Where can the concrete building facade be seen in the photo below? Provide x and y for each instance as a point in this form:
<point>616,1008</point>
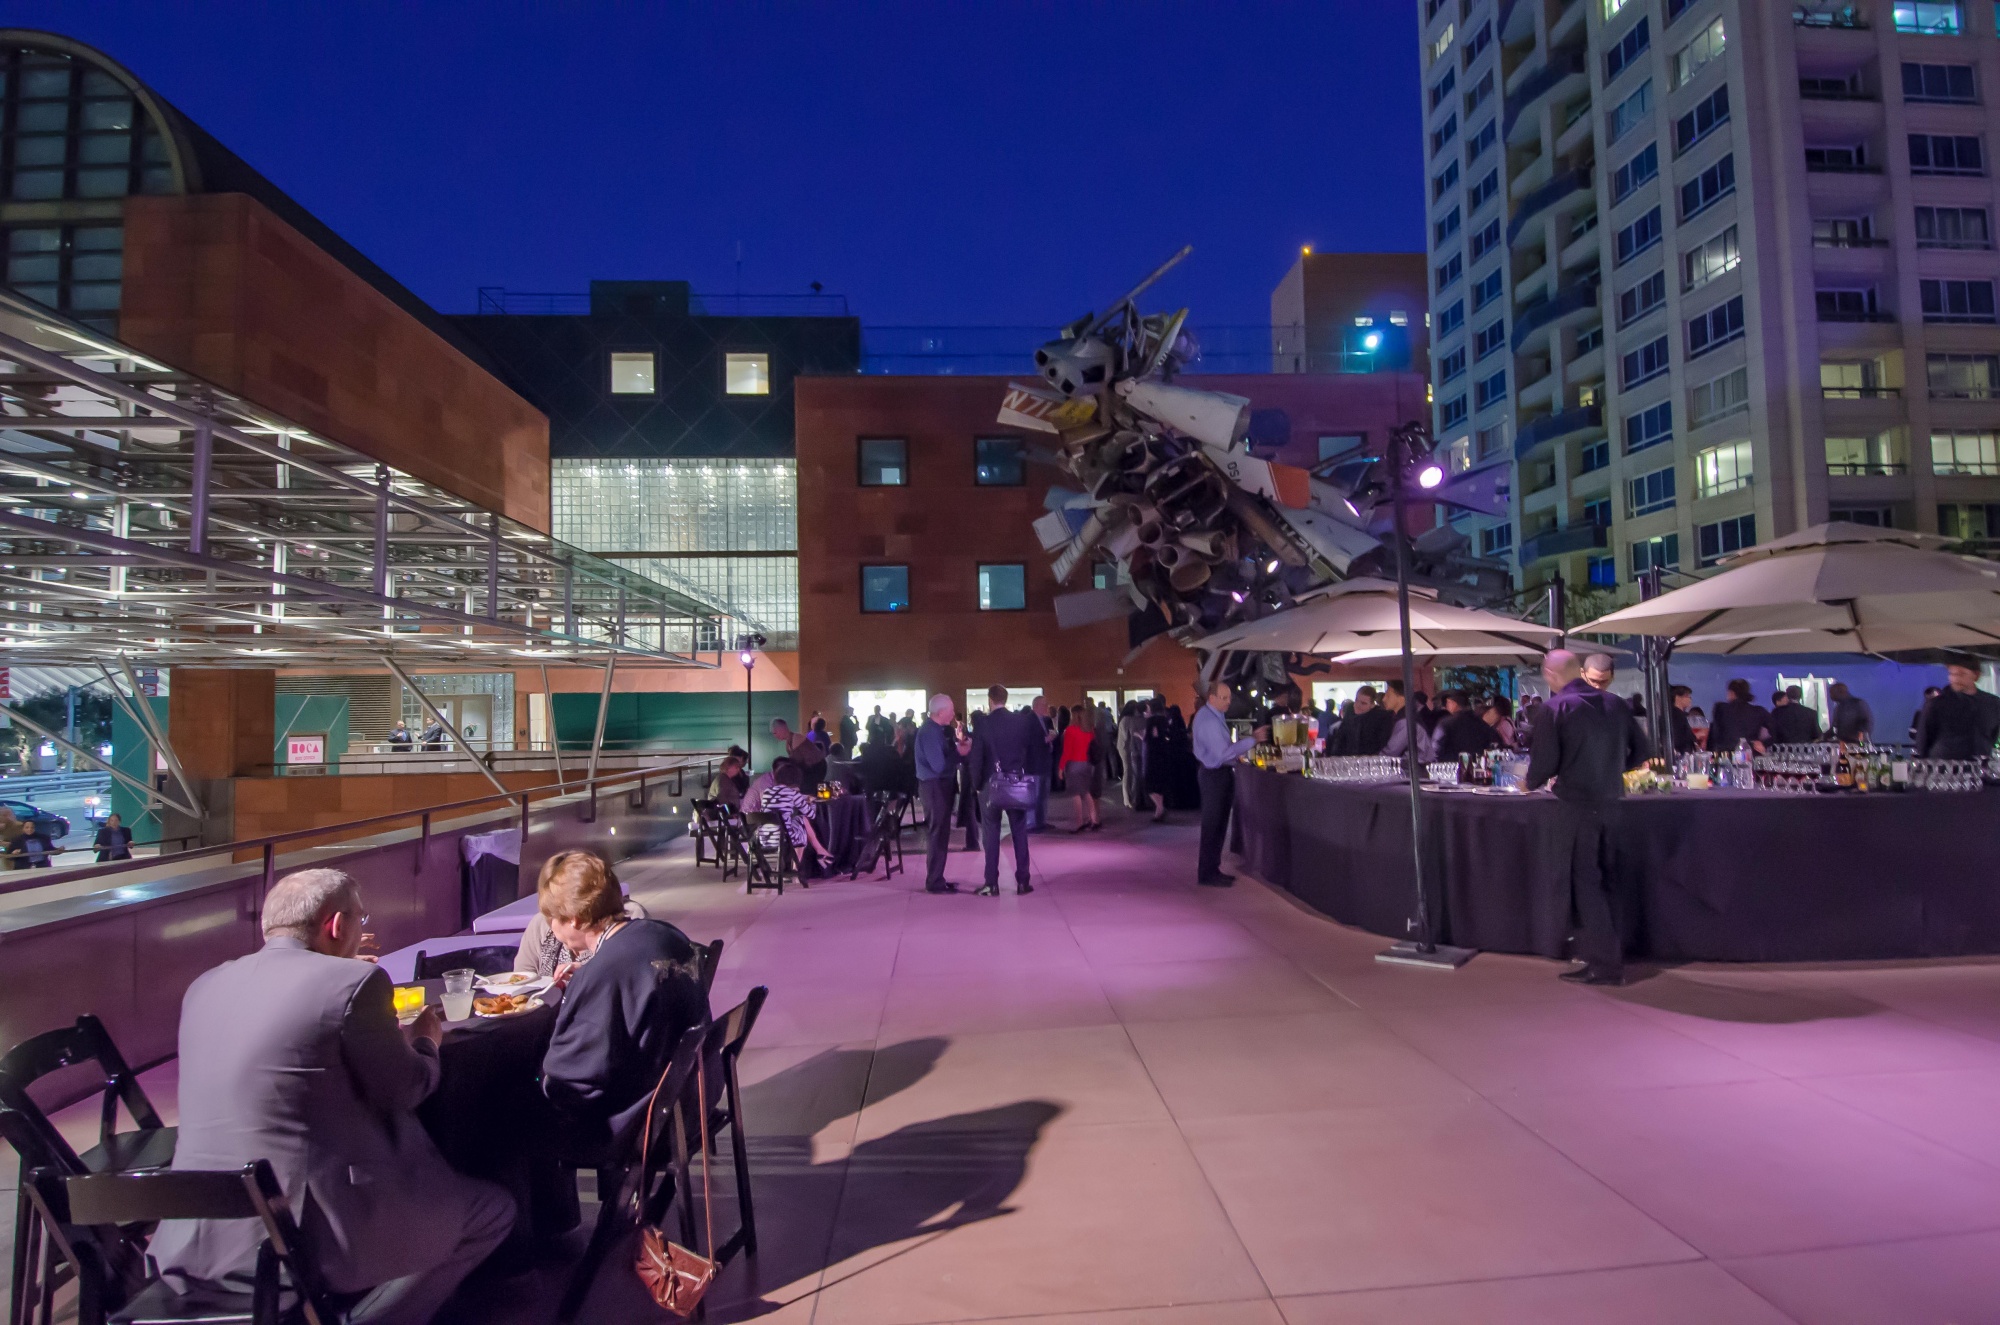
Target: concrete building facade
<point>1351,312</point>
<point>1710,271</point>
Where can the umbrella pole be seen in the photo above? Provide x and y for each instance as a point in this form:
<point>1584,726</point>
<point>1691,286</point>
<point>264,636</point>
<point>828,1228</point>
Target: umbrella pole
<point>1424,950</point>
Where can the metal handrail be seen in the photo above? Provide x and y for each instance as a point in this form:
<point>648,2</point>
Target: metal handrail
<point>270,843</point>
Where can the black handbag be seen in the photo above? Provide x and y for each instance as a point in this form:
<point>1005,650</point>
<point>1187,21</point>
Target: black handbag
<point>1011,791</point>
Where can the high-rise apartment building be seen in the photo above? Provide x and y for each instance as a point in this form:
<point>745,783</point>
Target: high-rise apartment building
<point>1710,271</point>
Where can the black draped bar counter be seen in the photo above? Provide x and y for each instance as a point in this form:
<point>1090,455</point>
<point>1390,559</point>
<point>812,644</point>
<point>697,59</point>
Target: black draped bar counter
<point>1747,876</point>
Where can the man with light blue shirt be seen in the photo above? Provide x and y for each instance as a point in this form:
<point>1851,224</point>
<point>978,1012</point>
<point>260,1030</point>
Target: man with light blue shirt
<point>941,747</point>
<point>1215,752</point>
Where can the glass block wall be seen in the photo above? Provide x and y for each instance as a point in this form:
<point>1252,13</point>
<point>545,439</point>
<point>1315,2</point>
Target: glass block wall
<point>700,516</point>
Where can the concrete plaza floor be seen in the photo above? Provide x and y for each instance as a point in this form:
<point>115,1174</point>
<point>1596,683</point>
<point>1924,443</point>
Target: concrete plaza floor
<point>1127,1099</point>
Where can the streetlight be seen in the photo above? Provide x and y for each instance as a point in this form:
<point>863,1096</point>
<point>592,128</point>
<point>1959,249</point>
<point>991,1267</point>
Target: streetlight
<point>747,646</point>
<point>1406,459</point>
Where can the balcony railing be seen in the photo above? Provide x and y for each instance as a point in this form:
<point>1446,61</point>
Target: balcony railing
<point>1861,392</point>
<point>1962,393</point>
<point>1571,298</point>
<point>1850,241</point>
<point>1557,542</point>
<point>1866,468</point>
<point>1561,424</point>
<point>1838,315</point>
<point>1567,181</point>
<point>1561,65</point>
<point>1828,16</point>
<point>1824,167</point>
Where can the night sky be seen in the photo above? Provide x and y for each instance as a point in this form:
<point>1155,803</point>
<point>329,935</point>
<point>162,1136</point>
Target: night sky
<point>937,163</point>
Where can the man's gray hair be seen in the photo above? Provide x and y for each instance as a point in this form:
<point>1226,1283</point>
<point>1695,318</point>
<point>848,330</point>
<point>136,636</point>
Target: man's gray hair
<point>1599,662</point>
<point>298,902</point>
<point>939,702</point>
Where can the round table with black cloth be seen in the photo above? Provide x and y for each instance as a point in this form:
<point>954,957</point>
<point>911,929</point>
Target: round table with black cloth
<point>489,1117</point>
<point>1702,876</point>
<point>842,824</point>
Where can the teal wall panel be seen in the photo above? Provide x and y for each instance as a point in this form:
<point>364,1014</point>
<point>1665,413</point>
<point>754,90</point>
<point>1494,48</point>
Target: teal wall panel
<point>674,721</point>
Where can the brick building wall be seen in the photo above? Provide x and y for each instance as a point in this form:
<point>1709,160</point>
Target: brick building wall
<point>221,286</point>
<point>943,526</point>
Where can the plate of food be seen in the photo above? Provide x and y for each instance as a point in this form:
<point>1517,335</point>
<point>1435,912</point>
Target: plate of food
<point>504,1005</point>
<point>511,982</point>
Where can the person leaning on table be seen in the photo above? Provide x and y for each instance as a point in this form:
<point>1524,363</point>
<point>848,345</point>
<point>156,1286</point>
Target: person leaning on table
<point>1584,742</point>
<point>623,1010</point>
<point>1215,752</point>
<point>292,1054</point>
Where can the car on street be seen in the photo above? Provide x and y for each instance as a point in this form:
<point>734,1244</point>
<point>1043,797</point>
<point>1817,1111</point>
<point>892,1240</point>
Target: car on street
<point>55,827</point>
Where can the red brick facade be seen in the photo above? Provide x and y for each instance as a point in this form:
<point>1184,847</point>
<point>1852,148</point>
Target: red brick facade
<point>943,526</point>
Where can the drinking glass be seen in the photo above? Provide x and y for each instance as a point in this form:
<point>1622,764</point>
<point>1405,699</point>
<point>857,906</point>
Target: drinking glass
<point>458,995</point>
<point>409,1001</point>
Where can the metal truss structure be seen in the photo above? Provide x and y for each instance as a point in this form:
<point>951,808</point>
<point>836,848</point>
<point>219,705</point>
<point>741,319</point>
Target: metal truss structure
<point>149,517</point>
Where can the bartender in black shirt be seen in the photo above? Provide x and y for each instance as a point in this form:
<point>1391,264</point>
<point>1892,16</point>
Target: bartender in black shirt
<point>1677,718</point>
<point>1737,720</point>
<point>1584,741</point>
<point>1961,721</point>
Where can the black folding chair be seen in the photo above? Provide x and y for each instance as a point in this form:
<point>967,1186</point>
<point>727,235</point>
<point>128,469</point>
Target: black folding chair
<point>285,1266</point>
<point>629,1191</point>
<point>886,836</point>
<point>720,1050</point>
<point>770,866</point>
<point>38,1270</point>
<point>706,831</point>
<point>494,959</point>
<point>708,956</point>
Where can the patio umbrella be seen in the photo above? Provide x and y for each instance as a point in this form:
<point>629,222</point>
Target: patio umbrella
<point>1834,588</point>
<point>1361,614</point>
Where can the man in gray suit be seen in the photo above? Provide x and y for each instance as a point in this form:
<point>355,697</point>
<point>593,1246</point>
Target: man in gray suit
<point>292,1054</point>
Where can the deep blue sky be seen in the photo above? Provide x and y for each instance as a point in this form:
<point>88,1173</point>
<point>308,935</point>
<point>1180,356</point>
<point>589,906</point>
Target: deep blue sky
<point>942,163</point>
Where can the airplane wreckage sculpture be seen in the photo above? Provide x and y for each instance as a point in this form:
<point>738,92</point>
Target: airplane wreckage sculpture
<point>1208,533</point>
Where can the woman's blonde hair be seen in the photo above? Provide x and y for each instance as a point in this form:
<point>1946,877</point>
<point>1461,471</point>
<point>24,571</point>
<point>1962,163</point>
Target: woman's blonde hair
<point>578,886</point>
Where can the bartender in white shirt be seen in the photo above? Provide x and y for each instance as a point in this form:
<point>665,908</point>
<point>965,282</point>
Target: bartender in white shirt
<point>1215,752</point>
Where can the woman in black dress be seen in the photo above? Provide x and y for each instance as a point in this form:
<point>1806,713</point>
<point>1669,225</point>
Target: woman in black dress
<point>1159,756</point>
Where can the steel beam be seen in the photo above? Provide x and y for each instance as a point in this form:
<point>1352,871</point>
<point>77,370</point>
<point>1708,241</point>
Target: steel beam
<point>603,711</point>
<point>439,718</point>
<point>150,721</point>
<point>77,752</point>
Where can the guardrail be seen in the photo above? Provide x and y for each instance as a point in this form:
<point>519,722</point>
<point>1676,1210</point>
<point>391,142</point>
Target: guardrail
<point>268,846</point>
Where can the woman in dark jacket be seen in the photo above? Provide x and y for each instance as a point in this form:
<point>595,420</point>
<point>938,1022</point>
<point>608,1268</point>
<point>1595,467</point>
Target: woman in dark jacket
<point>623,1010</point>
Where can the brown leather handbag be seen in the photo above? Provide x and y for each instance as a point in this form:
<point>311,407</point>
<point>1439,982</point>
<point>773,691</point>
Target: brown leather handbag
<point>675,1276</point>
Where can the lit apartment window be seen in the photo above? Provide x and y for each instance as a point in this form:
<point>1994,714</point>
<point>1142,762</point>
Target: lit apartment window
<point>632,373</point>
<point>1975,453</point>
<point>1003,588</point>
<point>885,462</point>
<point>999,462</point>
<point>1721,469</point>
<point>1710,259</point>
<point>746,374</point>
<point>1718,540</point>
<point>1938,17</point>
<point>1849,379</point>
<point>1962,376</point>
<point>1978,520</point>
<point>885,588</point>
<point>1719,397</point>
<point>1692,58</point>
<point>1850,457</point>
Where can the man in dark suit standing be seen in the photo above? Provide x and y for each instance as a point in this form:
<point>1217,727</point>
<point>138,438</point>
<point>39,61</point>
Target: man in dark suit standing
<point>1961,721</point>
<point>1737,720</point>
<point>1585,740</point>
<point>1010,743</point>
<point>941,747</point>
<point>1792,723</point>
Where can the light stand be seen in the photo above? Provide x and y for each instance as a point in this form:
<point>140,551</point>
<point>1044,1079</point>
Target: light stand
<point>1424,950</point>
<point>747,655</point>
